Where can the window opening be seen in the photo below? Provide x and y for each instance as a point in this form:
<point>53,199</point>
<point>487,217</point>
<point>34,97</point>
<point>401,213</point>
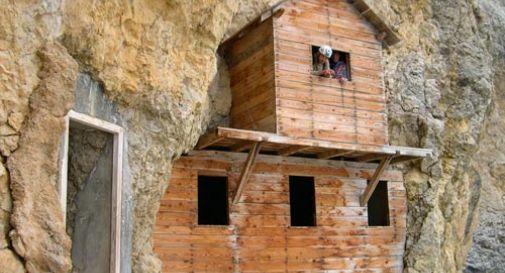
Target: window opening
<point>212,200</point>
<point>378,206</point>
<point>302,201</point>
<point>339,63</point>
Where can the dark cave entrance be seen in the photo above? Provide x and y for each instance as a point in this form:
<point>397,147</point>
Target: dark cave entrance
<point>89,198</point>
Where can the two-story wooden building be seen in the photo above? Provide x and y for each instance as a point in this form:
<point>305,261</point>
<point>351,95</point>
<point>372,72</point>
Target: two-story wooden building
<point>300,182</point>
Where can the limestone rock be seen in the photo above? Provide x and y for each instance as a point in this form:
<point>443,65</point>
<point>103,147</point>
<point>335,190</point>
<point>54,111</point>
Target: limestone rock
<point>486,254</point>
<point>8,144</point>
<point>10,263</point>
<point>5,207</point>
<point>439,94</point>
<point>16,120</point>
<point>38,230</point>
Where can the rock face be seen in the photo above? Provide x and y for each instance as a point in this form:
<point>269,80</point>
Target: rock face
<point>36,219</point>
<point>486,254</point>
<point>157,61</point>
<point>440,88</point>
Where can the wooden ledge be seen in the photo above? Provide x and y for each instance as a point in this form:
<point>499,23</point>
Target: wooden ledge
<point>230,139</point>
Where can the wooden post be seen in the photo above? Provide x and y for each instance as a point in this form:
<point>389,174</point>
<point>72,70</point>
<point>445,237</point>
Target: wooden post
<point>244,175</point>
<point>375,180</point>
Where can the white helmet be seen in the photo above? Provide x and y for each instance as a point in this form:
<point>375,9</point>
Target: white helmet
<point>326,51</point>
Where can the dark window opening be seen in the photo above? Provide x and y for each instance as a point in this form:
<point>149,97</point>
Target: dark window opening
<point>302,201</point>
<point>340,63</point>
<point>378,206</point>
<point>212,200</point>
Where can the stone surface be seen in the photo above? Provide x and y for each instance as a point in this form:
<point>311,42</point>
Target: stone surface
<point>10,263</point>
<point>486,254</point>
<point>439,91</point>
<point>5,207</point>
<point>38,234</point>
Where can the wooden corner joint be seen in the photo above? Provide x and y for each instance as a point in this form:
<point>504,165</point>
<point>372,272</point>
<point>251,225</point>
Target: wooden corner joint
<point>246,170</point>
<point>370,188</point>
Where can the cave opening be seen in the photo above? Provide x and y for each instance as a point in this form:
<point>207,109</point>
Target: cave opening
<point>90,192</point>
<point>89,198</point>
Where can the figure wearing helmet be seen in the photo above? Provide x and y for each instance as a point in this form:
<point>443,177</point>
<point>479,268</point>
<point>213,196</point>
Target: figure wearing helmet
<point>322,63</point>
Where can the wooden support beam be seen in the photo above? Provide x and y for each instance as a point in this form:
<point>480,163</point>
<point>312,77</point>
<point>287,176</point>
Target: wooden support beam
<point>246,171</point>
<point>399,159</point>
<point>208,140</point>
<point>292,150</point>
<point>333,153</point>
<point>370,188</point>
<point>241,146</point>
<point>369,157</point>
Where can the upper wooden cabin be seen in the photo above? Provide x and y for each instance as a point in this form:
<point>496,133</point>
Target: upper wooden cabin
<point>270,63</point>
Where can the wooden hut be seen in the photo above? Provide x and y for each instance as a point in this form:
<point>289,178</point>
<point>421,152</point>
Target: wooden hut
<point>300,182</point>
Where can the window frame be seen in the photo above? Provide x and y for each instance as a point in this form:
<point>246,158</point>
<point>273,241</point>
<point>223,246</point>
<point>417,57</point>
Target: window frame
<point>117,176</point>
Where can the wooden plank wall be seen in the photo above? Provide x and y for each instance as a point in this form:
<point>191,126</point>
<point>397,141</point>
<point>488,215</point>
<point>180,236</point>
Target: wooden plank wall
<point>316,107</point>
<point>251,66</point>
<point>259,237</point>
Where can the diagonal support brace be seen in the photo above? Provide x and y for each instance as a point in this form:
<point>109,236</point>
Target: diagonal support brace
<point>370,188</point>
<point>246,171</point>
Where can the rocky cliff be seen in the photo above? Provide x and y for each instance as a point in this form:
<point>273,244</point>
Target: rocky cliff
<point>157,61</point>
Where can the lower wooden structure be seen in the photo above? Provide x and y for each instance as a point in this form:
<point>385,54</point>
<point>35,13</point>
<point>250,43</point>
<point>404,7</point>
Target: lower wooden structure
<point>259,237</point>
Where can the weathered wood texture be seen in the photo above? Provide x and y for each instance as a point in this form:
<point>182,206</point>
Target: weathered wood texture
<point>251,65</point>
<point>259,237</point>
<point>239,140</point>
<point>316,107</point>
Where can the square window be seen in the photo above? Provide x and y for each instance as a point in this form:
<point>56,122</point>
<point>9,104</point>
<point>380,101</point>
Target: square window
<point>212,200</point>
<point>302,201</point>
<point>340,62</point>
<point>378,206</point>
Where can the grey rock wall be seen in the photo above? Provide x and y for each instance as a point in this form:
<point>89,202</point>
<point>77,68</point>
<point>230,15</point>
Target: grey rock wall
<point>488,248</point>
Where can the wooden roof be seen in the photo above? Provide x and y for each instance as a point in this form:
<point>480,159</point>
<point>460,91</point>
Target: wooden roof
<point>238,140</point>
<point>364,9</point>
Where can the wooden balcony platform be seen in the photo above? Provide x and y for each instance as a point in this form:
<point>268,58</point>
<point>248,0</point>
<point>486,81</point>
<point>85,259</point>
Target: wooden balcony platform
<point>254,142</point>
<point>238,140</point>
